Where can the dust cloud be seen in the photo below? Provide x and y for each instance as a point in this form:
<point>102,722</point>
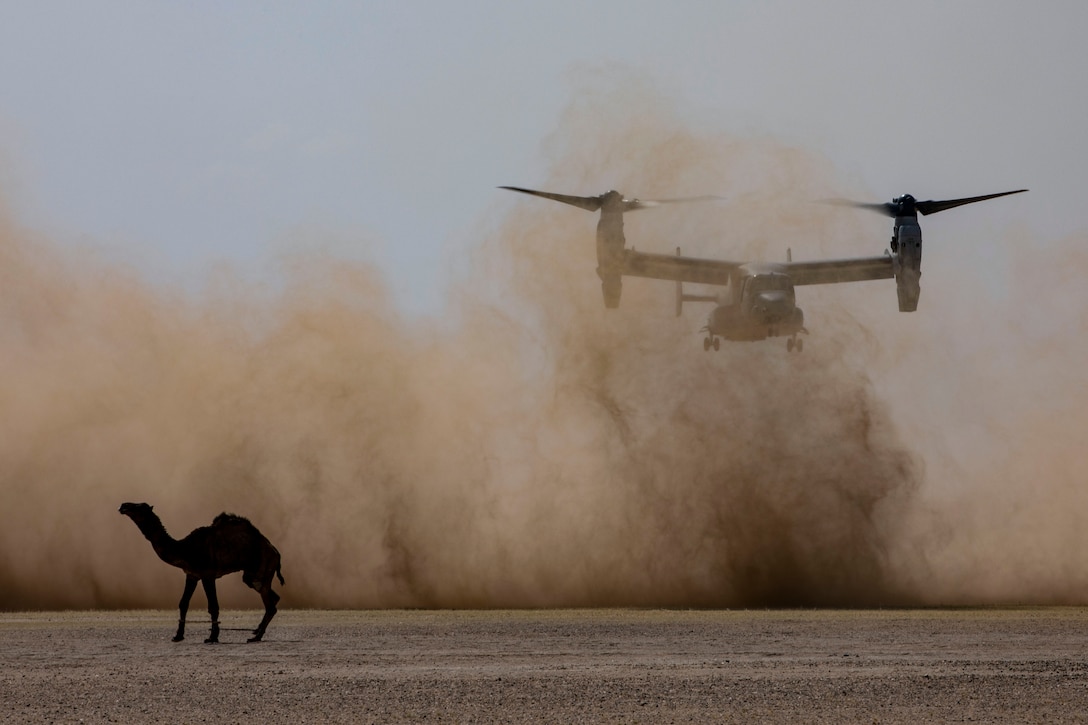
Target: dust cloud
<point>997,395</point>
<point>525,448</point>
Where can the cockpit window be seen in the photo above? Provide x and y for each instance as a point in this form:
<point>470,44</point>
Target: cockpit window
<point>764,282</point>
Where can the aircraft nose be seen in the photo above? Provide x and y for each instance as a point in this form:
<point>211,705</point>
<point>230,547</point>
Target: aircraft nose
<point>773,303</point>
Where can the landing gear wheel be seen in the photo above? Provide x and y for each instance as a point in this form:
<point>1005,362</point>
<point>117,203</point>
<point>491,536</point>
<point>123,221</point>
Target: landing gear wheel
<point>717,344</point>
<point>789,345</point>
<point>800,344</point>
<point>706,344</point>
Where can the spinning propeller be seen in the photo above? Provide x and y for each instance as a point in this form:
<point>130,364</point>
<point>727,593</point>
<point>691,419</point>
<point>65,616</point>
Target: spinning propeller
<point>908,206</point>
<point>611,201</point>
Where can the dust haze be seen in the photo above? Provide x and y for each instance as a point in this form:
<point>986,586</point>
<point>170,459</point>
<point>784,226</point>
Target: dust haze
<point>527,447</point>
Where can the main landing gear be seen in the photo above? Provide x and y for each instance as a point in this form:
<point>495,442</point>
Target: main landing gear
<point>793,343</point>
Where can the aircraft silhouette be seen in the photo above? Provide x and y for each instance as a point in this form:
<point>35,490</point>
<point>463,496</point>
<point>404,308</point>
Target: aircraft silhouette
<point>758,300</point>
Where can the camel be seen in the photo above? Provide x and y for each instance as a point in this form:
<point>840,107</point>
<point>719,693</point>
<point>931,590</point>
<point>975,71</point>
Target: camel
<point>230,544</point>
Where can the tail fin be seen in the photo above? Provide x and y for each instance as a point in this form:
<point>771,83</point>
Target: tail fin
<point>681,298</point>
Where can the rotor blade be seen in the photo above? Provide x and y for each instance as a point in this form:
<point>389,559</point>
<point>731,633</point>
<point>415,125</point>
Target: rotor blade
<point>932,207</point>
<point>885,209</point>
<point>589,203</point>
<point>634,204</point>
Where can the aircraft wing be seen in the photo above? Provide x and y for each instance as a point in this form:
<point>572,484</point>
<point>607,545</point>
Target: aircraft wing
<point>678,269</point>
<point>832,271</point>
<point>720,272</point>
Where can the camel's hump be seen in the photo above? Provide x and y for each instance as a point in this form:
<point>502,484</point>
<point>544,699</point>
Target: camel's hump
<point>225,518</point>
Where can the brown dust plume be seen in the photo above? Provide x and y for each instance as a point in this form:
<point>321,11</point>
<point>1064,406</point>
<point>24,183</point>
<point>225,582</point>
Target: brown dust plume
<point>525,448</point>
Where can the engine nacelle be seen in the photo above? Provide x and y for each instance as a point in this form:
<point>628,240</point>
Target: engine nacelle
<point>611,287</point>
<point>610,251</point>
<point>908,267</point>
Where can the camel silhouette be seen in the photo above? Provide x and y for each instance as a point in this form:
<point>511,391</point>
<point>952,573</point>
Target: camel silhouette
<point>230,544</point>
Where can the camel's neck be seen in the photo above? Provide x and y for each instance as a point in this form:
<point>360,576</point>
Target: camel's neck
<point>165,545</point>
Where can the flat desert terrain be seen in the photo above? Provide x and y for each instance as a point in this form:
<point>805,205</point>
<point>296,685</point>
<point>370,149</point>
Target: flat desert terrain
<point>650,666</point>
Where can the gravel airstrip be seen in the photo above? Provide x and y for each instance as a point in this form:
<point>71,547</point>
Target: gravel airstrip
<point>616,665</point>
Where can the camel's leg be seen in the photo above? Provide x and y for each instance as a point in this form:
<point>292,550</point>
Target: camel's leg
<point>270,598</point>
<point>183,606</point>
<point>213,608</point>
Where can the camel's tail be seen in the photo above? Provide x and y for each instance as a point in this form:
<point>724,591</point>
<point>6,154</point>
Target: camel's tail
<point>280,576</point>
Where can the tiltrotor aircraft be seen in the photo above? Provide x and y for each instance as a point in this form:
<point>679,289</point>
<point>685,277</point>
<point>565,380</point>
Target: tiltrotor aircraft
<point>758,300</point>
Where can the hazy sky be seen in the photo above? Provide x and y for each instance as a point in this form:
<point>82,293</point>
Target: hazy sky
<point>183,134</point>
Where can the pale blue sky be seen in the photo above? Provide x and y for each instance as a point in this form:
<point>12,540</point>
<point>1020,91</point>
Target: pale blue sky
<point>180,134</point>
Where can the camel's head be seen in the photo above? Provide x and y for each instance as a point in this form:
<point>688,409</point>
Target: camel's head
<point>136,511</point>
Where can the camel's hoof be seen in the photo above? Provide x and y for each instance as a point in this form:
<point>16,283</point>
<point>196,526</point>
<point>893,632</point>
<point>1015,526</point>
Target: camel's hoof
<point>210,640</point>
<point>255,638</point>
<point>177,638</point>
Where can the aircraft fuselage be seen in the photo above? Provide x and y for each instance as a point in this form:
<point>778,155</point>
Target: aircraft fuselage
<point>763,305</point>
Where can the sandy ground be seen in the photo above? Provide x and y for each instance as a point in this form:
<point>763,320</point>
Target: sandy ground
<point>652,666</point>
